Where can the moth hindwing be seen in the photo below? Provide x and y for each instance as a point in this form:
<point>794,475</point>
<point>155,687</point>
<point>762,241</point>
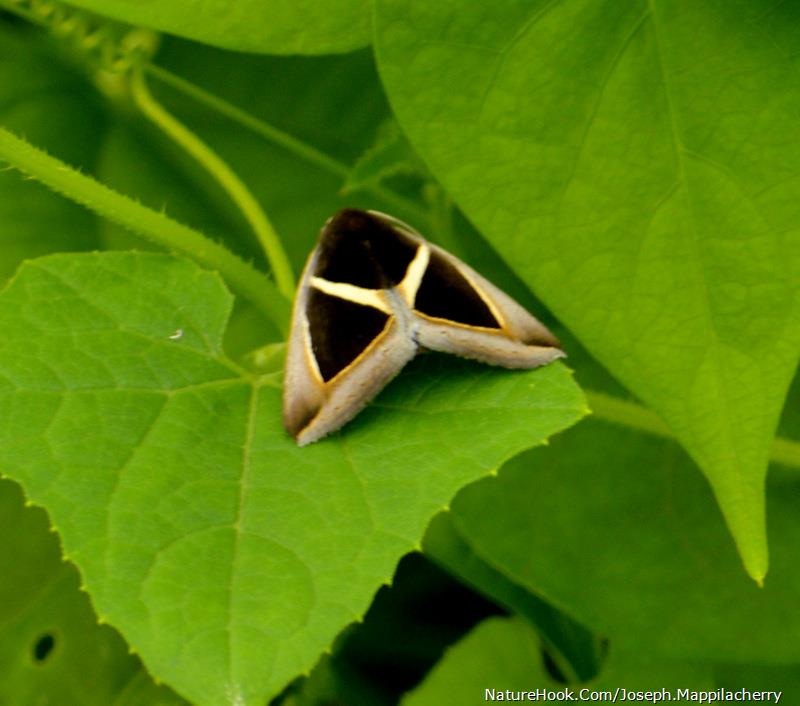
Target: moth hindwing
<point>372,294</point>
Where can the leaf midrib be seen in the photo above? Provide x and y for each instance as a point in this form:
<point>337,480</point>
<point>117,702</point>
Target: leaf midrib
<point>700,279</point>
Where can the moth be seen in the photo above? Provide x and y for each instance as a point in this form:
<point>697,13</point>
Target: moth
<point>373,294</point>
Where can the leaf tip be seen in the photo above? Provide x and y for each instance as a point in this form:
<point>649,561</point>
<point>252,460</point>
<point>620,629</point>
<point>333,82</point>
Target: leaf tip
<point>753,551</point>
<point>757,567</point>
<point>744,509</point>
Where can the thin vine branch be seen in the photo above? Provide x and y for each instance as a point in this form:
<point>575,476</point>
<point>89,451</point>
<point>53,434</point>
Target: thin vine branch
<point>225,177</point>
<point>634,416</point>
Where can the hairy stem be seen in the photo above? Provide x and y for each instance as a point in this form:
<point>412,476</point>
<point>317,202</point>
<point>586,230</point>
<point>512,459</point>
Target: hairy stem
<point>145,222</point>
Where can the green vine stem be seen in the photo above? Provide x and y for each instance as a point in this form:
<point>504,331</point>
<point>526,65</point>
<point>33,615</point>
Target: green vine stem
<point>224,175</point>
<point>150,224</point>
<point>634,416</point>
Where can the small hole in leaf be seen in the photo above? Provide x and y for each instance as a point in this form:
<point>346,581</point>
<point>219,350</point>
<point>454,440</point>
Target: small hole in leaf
<point>43,647</point>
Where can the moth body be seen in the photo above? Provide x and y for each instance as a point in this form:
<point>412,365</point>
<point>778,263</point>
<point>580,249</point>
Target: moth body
<point>373,293</point>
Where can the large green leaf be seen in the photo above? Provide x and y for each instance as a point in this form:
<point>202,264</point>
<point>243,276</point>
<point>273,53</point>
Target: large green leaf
<point>49,637</point>
<point>503,655</point>
<point>619,531</point>
<point>635,162</point>
<point>228,557</point>
<point>269,26</point>
<point>573,649</point>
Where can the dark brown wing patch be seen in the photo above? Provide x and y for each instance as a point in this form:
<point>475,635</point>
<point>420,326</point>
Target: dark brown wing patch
<point>359,248</point>
<point>444,293</point>
<point>340,330</point>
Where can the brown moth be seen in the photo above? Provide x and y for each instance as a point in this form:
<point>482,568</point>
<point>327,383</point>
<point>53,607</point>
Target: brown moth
<point>373,293</point>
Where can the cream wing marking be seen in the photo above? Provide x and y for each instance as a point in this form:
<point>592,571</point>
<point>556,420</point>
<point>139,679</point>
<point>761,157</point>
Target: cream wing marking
<point>307,352</point>
<point>414,274</point>
<point>351,293</point>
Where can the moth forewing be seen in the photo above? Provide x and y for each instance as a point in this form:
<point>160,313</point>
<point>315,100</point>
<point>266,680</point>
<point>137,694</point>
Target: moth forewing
<point>516,321</point>
<point>321,393</point>
<point>484,346</point>
<point>350,391</point>
<point>519,340</point>
<point>303,390</point>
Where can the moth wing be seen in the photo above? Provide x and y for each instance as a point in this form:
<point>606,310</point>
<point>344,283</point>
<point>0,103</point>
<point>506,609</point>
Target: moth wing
<point>345,396</point>
<point>461,312</point>
<point>341,352</point>
<point>303,395</point>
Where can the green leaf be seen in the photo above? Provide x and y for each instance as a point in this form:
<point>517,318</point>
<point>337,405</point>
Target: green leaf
<point>503,654</point>
<point>639,174</point>
<point>576,652</point>
<point>618,530</point>
<point>268,26</point>
<point>49,636</point>
<point>784,678</point>
<point>228,557</point>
